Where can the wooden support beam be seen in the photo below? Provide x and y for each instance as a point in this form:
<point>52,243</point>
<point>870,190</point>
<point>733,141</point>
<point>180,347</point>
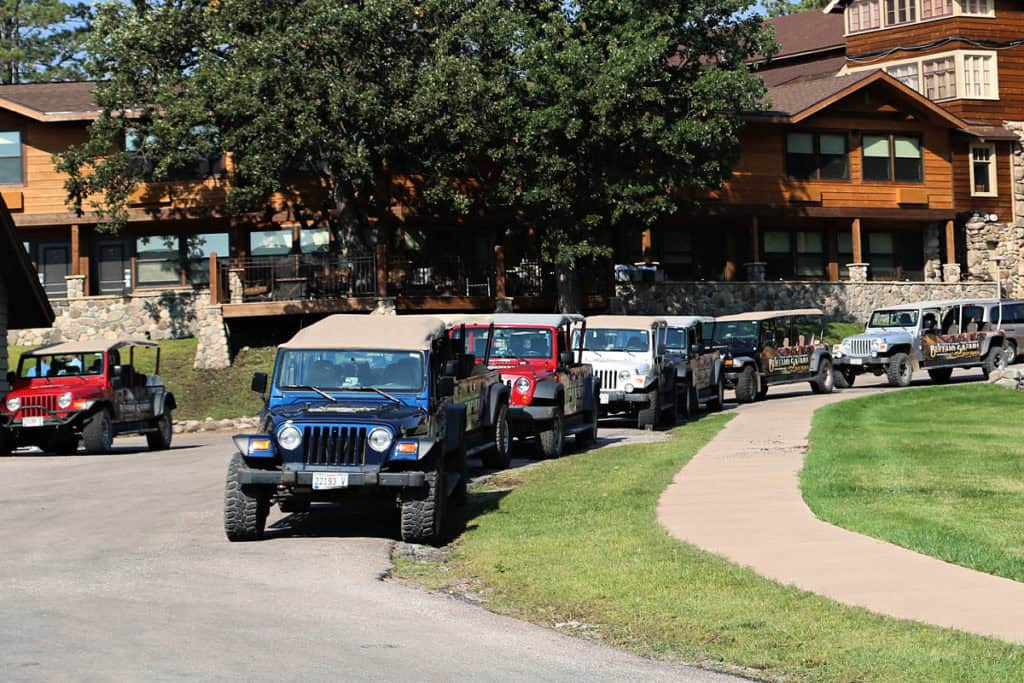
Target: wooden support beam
<point>729,272</point>
<point>832,249</point>
<point>645,245</point>
<point>858,254</point>
<point>950,242</point>
<point>499,271</point>
<point>76,249</point>
<point>214,280</point>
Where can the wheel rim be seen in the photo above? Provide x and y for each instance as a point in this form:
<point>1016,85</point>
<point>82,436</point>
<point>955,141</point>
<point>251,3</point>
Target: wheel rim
<point>829,379</point>
<point>504,438</point>
<point>905,370</point>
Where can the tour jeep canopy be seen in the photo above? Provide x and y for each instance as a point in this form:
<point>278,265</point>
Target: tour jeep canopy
<point>768,315</point>
<point>95,346</point>
<point>624,322</point>
<point>370,332</point>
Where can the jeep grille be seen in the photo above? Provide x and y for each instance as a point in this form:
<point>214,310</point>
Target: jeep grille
<point>860,347</point>
<point>333,445</point>
<point>37,405</point>
<point>609,378</point>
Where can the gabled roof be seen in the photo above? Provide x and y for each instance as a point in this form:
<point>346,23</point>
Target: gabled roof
<point>27,305</point>
<point>69,101</point>
<point>797,100</point>
<point>806,33</point>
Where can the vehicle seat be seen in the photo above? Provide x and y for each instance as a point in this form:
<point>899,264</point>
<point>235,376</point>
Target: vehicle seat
<point>972,325</point>
<point>405,373</point>
<point>905,320</point>
<point>636,343</point>
<point>322,373</point>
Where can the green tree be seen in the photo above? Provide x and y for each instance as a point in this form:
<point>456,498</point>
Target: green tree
<point>622,105</point>
<point>778,8</point>
<point>41,40</point>
<point>358,92</point>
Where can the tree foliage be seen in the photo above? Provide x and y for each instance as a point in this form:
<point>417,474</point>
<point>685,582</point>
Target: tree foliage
<point>778,8</point>
<point>41,40</point>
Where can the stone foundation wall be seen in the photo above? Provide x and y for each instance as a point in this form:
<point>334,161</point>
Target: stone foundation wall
<point>841,301</point>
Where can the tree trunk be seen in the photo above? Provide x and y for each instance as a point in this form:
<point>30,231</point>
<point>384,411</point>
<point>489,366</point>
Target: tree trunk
<point>568,283</point>
<point>351,232</point>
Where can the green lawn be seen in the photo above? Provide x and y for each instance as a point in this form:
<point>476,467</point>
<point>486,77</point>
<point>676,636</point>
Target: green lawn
<point>575,541</point>
<point>939,470</point>
<point>836,332</point>
<point>203,393</point>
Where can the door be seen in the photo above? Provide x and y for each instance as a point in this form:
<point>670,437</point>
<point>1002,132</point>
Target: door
<point>702,365</point>
<point>54,266</point>
<point>112,267</point>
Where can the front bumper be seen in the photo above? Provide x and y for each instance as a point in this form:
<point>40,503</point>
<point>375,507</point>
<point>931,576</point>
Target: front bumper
<point>611,399</point>
<point>860,363</point>
<point>248,475</point>
<point>52,420</point>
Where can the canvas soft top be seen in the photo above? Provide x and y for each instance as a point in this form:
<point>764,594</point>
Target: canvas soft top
<point>456,319</point>
<point>369,332</point>
<point>623,322</point>
<point>768,315</point>
<point>687,320</point>
<point>940,303</point>
<point>94,346</point>
<point>545,319</point>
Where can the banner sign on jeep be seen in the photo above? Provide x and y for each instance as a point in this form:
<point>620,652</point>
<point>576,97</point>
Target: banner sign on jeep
<point>787,360</point>
<point>951,347</point>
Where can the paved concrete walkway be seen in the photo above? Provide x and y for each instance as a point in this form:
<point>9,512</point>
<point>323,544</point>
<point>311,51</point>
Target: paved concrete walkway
<point>740,498</point>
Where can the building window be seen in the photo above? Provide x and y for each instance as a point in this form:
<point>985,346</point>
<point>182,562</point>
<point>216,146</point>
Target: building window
<point>900,12</point>
<point>810,254</point>
<point>882,255</point>
<point>907,74</point>
<point>983,171</point>
<point>896,255</point>
<point>844,251</point>
<point>940,78</point>
<point>936,8</point>
<point>315,240</point>
<point>794,255</point>
<point>270,242</point>
<point>157,261</point>
<point>978,7</point>
<point>862,16</point>
<point>893,157</point>
<point>198,249</point>
<point>811,156</point>
<point>978,75</point>
<point>11,168</point>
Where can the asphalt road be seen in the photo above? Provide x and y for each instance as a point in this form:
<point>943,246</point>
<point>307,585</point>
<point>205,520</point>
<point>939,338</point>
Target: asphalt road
<point>116,568</point>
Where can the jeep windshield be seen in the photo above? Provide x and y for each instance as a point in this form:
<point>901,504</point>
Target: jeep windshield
<point>737,334</point>
<point>901,318</point>
<point>675,339</point>
<point>61,365</point>
<point>617,340</point>
<point>330,370</point>
<point>513,342</point>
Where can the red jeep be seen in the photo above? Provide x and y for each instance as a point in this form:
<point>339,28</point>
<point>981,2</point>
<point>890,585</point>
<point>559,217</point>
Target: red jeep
<point>552,393</point>
<point>88,391</point>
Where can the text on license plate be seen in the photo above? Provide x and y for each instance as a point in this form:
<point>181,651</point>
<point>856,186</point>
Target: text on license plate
<point>856,361</point>
<point>604,399</point>
<point>32,422</point>
<point>329,480</point>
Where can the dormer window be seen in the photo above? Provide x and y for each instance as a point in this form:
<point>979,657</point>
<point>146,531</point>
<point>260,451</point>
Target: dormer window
<point>900,12</point>
<point>931,9</point>
<point>862,16</point>
<point>871,15</point>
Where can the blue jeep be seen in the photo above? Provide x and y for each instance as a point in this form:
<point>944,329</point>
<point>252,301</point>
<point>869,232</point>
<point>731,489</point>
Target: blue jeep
<point>361,402</point>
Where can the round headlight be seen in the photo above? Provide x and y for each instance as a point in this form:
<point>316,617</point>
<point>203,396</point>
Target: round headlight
<point>522,385</point>
<point>876,344</point>
<point>289,437</point>
<point>64,400</point>
<point>379,439</point>
<point>628,388</point>
<point>13,404</point>
<point>624,374</point>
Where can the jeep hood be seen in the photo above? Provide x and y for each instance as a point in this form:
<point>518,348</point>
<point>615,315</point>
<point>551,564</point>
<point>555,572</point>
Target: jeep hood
<point>885,334</point>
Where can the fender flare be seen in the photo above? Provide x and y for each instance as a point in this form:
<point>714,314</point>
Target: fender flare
<point>816,358</point>
<point>591,388</point>
<point>548,393</point>
<point>454,427</point>
<point>165,401</point>
<point>497,396</point>
<point>991,341</point>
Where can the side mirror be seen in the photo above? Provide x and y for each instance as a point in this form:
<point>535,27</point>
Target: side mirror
<point>446,386</point>
<point>450,368</point>
<point>11,376</point>
<point>259,382</point>
<point>566,358</point>
<point>117,375</point>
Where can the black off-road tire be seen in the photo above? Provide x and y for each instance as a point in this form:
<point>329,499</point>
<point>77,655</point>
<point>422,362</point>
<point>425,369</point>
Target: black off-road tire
<point>66,444</point>
<point>291,504</point>
<point>746,385</point>
<point>690,402</point>
<point>588,437</point>
<point>843,378</point>
<point>160,440</point>
<point>6,443</point>
<point>669,416</point>
<point>423,507</point>
<point>994,360</point>
<point>899,371</point>
<point>499,457</point>
<point>551,442</point>
<point>98,433</point>
<point>825,382</point>
<point>245,507</point>
<point>940,375</point>
<point>717,402</point>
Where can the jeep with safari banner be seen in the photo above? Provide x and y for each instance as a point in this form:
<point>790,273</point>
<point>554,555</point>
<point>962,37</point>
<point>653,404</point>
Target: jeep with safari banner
<point>552,393</point>
<point>937,336</point>
<point>636,372</point>
<point>766,348</point>
<point>87,392</point>
<point>700,370</point>
<point>363,404</point>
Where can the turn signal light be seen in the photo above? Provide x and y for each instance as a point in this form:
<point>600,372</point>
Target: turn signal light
<point>259,445</point>
<point>728,361</point>
<point>407,447</point>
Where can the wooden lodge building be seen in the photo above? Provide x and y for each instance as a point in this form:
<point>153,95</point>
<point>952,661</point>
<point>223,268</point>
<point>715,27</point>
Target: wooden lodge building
<point>888,166</point>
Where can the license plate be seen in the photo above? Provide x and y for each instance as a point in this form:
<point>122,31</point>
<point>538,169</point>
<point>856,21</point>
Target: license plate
<point>32,422</point>
<point>604,399</point>
<point>329,480</point>
<point>856,361</point>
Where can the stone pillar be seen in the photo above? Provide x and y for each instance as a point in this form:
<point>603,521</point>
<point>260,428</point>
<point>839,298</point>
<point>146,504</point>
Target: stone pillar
<point>858,272</point>
<point>385,306</point>
<point>212,349</point>
<point>756,271</point>
<point>236,285</point>
<point>932,257</point>
<point>503,304</point>
<point>76,286</point>
<point>977,249</point>
<point>951,272</point>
